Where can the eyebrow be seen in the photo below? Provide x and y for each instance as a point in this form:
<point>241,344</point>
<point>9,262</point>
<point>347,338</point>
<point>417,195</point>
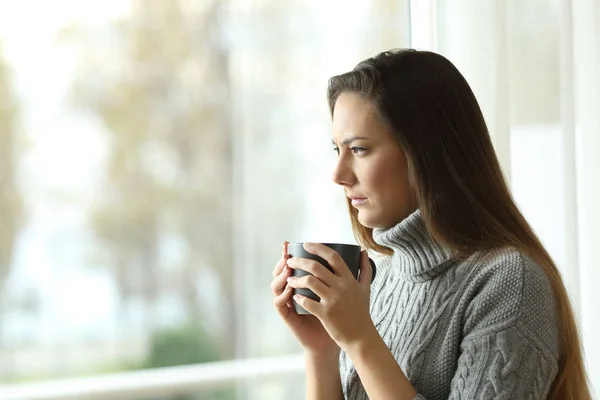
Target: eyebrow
<point>349,140</point>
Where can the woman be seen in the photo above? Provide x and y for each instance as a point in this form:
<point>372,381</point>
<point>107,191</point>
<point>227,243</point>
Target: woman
<point>467,303</point>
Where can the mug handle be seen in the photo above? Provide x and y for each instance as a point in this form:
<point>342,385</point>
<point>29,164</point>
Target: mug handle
<point>374,268</point>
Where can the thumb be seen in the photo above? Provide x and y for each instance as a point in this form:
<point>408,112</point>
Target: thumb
<point>366,269</point>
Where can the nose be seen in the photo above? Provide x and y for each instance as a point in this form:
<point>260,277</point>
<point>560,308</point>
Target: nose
<point>342,173</point>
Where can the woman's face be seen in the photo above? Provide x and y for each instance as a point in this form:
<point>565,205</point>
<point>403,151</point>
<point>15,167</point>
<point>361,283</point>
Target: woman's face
<point>371,165</point>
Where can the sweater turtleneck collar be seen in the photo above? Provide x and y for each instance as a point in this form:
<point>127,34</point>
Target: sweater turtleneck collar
<point>417,255</point>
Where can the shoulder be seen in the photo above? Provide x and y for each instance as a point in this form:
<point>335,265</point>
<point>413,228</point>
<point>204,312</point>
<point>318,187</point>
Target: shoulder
<point>507,288</point>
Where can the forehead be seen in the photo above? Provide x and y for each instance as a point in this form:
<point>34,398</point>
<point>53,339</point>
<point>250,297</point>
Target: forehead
<point>354,115</point>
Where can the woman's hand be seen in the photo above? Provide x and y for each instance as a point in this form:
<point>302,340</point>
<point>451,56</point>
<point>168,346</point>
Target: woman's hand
<point>344,307</point>
<point>307,329</point>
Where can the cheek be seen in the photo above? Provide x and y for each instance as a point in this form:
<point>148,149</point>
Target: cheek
<point>379,179</point>
<point>391,181</point>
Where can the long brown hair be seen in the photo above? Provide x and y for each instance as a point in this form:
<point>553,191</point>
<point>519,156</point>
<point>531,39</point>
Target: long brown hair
<point>456,179</point>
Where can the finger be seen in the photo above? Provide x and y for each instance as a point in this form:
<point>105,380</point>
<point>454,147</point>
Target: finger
<point>279,267</point>
<point>312,283</point>
<point>281,302</point>
<point>278,284</point>
<point>281,263</point>
<point>312,267</point>
<point>334,259</point>
<point>366,271</point>
<point>285,247</point>
<point>308,304</point>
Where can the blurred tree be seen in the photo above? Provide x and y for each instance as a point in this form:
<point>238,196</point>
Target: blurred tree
<point>11,205</point>
<point>158,82</point>
<point>185,345</point>
<point>181,346</point>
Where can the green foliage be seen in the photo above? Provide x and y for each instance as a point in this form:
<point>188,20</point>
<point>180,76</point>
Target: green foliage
<point>182,346</point>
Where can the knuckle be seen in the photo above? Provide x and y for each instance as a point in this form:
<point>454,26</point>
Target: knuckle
<point>280,300</point>
<point>276,286</point>
<point>311,280</point>
<point>277,302</point>
<point>328,309</point>
<point>332,301</point>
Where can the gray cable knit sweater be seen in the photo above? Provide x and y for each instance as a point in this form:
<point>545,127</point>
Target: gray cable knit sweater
<point>483,329</point>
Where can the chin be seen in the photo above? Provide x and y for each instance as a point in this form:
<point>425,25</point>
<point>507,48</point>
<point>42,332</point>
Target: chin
<point>376,221</point>
<point>369,222</point>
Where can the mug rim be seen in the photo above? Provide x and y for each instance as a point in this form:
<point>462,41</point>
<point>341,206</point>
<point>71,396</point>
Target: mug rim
<point>326,244</point>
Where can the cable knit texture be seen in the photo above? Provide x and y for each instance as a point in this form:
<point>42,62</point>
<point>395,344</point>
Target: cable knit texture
<point>481,328</point>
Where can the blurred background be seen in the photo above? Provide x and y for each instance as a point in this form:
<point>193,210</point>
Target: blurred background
<point>154,154</point>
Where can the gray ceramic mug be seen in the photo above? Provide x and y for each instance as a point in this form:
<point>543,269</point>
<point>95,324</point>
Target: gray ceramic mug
<point>350,253</point>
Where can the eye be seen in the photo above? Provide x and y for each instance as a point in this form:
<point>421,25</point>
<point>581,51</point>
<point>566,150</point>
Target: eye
<point>358,150</point>
<point>337,150</point>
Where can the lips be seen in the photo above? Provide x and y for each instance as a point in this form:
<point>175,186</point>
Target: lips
<point>357,201</point>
